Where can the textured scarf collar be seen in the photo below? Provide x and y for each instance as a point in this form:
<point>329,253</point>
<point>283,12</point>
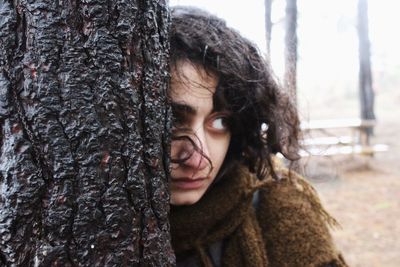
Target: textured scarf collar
<point>293,231</point>
<point>226,210</point>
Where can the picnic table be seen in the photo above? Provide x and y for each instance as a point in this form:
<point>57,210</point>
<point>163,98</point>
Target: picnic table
<point>339,136</point>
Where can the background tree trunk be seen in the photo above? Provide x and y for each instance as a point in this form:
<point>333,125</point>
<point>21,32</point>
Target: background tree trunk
<point>290,75</point>
<point>366,91</point>
<point>83,124</point>
<point>268,25</point>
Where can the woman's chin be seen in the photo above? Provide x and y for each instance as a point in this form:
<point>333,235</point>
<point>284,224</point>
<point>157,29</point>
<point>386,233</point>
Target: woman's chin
<point>185,198</point>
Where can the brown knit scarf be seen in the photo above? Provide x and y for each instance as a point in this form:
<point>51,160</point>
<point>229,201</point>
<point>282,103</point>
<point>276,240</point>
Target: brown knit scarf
<point>293,229</point>
<point>226,211</point>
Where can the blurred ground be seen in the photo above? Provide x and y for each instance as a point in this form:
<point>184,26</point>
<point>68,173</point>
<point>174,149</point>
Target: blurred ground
<point>363,194</point>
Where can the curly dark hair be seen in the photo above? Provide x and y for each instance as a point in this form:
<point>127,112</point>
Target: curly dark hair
<point>247,88</point>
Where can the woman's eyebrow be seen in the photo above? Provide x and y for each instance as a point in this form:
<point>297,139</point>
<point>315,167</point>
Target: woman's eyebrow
<point>183,108</point>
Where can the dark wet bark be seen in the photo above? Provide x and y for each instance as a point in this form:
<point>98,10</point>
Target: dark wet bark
<point>366,91</point>
<point>290,76</point>
<point>268,25</point>
<point>83,123</point>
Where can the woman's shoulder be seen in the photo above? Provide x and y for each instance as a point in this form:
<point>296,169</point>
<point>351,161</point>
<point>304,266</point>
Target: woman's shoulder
<point>294,221</point>
<point>292,190</point>
<point>292,200</point>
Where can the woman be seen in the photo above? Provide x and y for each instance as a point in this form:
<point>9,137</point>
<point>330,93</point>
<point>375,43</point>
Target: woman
<point>232,203</point>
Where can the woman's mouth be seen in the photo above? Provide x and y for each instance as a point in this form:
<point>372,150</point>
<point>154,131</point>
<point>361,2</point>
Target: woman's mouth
<point>187,183</point>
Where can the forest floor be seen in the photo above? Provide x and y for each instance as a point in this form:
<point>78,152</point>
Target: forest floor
<point>363,194</point>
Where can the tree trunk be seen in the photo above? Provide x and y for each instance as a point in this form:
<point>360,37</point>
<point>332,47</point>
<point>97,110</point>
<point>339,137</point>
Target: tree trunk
<point>268,25</point>
<point>290,79</point>
<point>84,135</point>
<point>365,76</point>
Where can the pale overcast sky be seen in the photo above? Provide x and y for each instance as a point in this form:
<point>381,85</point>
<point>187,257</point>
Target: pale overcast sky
<point>328,44</point>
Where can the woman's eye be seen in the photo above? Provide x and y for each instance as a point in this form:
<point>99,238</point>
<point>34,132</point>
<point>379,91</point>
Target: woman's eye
<point>180,115</point>
<point>178,120</point>
<point>219,124</point>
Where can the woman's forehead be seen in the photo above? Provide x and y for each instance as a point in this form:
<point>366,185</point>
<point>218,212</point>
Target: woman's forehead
<point>192,79</point>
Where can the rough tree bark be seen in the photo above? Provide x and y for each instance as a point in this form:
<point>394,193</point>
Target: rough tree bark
<point>84,128</point>
<point>290,75</point>
<point>366,91</point>
<point>268,25</point>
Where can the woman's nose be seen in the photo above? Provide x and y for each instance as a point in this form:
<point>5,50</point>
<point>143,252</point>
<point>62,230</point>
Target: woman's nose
<point>197,156</point>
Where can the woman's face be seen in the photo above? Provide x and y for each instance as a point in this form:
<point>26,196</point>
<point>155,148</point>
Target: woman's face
<point>192,93</point>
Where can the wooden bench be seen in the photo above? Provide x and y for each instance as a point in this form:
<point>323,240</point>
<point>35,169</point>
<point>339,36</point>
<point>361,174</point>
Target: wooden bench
<point>338,136</point>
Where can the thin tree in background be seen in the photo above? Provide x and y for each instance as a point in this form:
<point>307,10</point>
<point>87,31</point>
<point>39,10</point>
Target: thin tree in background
<point>366,91</point>
<point>290,75</point>
<point>268,25</point>
<point>83,133</point>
